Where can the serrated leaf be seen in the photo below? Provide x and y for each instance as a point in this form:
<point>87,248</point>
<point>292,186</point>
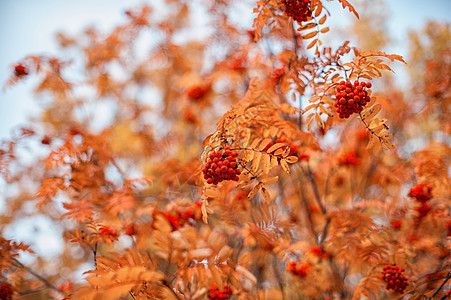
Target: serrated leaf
<point>254,191</point>
<point>312,43</point>
<point>319,9</point>
<point>204,212</point>
<point>255,143</point>
<point>291,159</point>
<point>285,166</point>
<point>380,129</point>
<point>246,139</point>
<point>371,112</point>
<point>388,145</point>
<point>244,182</point>
<point>309,107</point>
<point>319,122</point>
<point>307,26</point>
<point>266,163</point>
<point>310,122</point>
<point>274,147</point>
<point>371,141</point>
<point>279,151</point>
<point>248,155</point>
<point>266,195</point>
<point>274,162</point>
<point>309,35</point>
<point>286,152</point>
<point>265,179</point>
<point>264,143</point>
<point>376,123</point>
<point>256,161</point>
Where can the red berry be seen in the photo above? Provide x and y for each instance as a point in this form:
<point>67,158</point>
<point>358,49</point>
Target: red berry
<point>20,70</point>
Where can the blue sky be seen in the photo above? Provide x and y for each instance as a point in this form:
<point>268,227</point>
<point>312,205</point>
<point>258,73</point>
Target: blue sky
<point>29,26</point>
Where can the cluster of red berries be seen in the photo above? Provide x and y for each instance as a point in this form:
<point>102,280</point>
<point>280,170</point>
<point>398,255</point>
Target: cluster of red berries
<point>396,224</point>
<point>65,287</point>
<point>422,193</point>
<point>351,98</point>
<point>318,251</point>
<point>221,166</point>
<point>300,270</point>
<point>197,92</point>
<point>349,159</point>
<point>182,216</point>
<point>20,70</point>
<point>215,294</point>
<point>299,10</point>
<point>6,291</point>
<point>395,279</point>
<point>278,73</point>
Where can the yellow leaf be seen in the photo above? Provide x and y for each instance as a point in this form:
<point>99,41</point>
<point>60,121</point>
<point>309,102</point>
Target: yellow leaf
<point>254,191</point>
<point>309,35</point>
<point>274,147</point>
<point>318,9</point>
<point>312,43</point>
<point>255,143</point>
<point>319,122</point>
<point>322,20</point>
<point>268,180</point>
<point>266,163</point>
<point>264,143</point>
<point>376,123</point>
<point>274,162</point>
<point>284,165</point>
<point>256,161</point>
<point>371,112</point>
<point>266,195</point>
<point>291,159</point>
<point>371,141</point>
<point>307,26</point>
<point>388,145</point>
<point>324,30</point>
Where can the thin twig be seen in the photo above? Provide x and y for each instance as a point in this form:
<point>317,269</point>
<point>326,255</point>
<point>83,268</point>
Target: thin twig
<point>312,180</point>
<point>440,287</point>
<point>45,281</point>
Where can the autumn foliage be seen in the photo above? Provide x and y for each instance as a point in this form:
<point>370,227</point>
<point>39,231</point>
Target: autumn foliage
<point>247,163</point>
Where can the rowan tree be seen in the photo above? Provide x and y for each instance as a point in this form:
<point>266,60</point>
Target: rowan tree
<point>247,163</point>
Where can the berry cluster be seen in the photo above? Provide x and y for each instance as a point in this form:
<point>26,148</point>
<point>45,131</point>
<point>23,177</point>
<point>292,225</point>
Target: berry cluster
<point>182,215</point>
<point>351,98</point>
<point>197,92</point>
<point>349,159</point>
<point>299,10</point>
<point>20,70</point>
<point>6,291</point>
<point>215,294</point>
<point>422,193</point>
<point>221,166</point>
<point>303,157</point>
<point>394,277</point>
<point>298,269</point>
<point>65,287</point>
<point>396,224</point>
<point>318,251</point>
